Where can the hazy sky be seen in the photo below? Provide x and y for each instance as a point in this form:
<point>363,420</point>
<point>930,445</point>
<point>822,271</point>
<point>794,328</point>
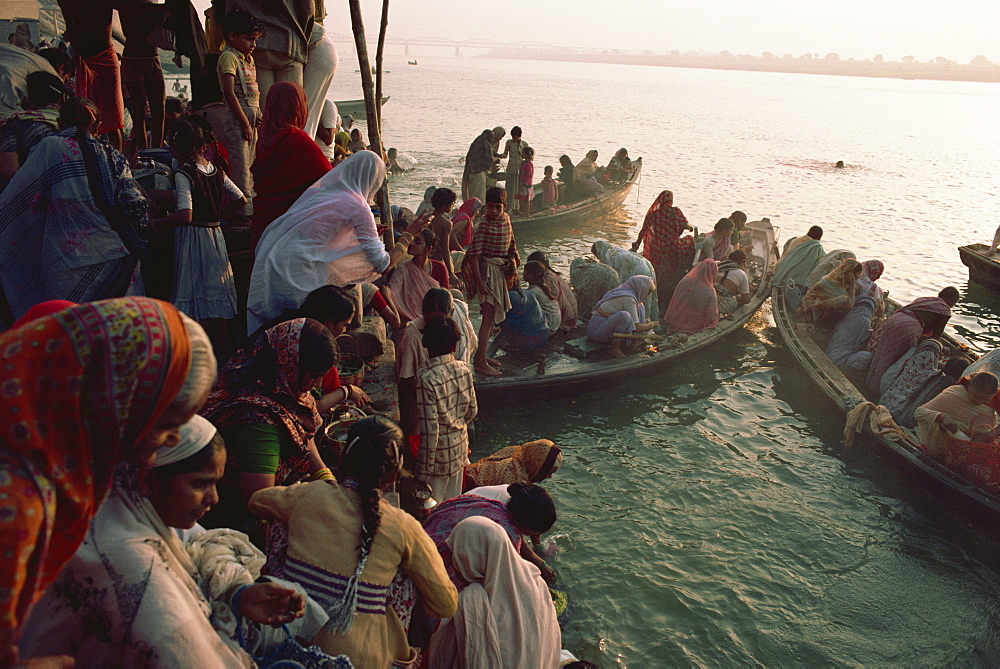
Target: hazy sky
<point>955,29</point>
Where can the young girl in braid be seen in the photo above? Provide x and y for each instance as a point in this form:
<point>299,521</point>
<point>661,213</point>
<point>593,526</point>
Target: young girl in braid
<point>346,544</point>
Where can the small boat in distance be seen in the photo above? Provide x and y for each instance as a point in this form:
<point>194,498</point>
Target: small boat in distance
<point>983,269</point>
<point>355,108</point>
<point>411,62</point>
<point>596,205</point>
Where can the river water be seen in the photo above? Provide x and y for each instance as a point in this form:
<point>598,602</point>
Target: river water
<point>709,515</point>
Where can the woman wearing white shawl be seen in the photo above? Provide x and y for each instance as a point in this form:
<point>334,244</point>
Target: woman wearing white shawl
<point>505,617</point>
<point>132,595</point>
<point>328,237</point>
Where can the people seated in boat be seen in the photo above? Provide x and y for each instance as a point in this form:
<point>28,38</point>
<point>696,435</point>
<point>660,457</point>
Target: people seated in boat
<point>799,258</point>
<point>827,264</point>
<point>411,280</point>
<point>526,326</point>
<point>411,354</point>
<point>695,304</point>
<point>532,462</point>
<point>548,299</point>
<point>732,283</point>
<point>620,166</point>
<point>716,244</point>
<point>950,296</point>
<point>132,547</point>
<point>346,543</point>
<point>584,175</point>
<point>558,284</point>
<point>462,224</point>
<point>665,245</point>
<point>628,264</point>
<point>832,297</point>
<point>846,348</point>
<point>505,616</point>
<point>900,332</point>
<point>520,508</point>
<point>591,281</point>
<point>621,311</point>
<point>963,409</point>
<point>567,190</point>
<point>988,362</point>
<point>916,378</point>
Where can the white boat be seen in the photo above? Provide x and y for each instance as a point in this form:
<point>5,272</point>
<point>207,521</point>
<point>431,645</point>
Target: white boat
<point>355,108</point>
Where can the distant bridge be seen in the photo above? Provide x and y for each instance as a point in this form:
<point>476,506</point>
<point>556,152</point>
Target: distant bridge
<point>448,43</point>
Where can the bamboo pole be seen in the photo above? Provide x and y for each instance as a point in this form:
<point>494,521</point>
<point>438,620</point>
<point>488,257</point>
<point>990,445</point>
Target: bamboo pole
<point>379,53</point>
<point>372,112</point>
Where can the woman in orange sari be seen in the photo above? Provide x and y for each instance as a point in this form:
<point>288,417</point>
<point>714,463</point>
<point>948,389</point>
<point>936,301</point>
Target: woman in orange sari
<point>288,160</point>
<point>83,389</point>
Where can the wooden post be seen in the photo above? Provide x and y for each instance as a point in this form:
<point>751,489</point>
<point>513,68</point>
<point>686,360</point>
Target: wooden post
<point>379,53</point>
<point>372,111</point>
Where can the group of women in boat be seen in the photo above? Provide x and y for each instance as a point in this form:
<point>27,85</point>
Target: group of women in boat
<point>899,360</point>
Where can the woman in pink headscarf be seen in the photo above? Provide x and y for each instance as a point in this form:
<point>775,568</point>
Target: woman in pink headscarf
<point>695,304</point>
<point>901,332</point>
<point>461,224</point>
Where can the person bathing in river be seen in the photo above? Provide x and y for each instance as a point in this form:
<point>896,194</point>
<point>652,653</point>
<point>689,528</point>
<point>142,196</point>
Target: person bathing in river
<point>621,311</point>
<point>962,408</point>
<point>732,283</point>
<point>717,245</point>
<point>490,258</point>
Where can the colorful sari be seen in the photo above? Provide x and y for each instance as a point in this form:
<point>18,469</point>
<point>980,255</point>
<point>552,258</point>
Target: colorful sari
<point>831,297</point>
<point>898,334</point>
<point>69,224</point>
<point>85,384</point>
<point>670,253</point>
<point>288,160</point>
<point>532,462</point>
<point>448,514</point>
<point>695,304</point>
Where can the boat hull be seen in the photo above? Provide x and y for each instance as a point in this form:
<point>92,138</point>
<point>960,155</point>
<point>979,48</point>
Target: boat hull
<point>845,396</point>
<point>982,269</point>
<point>355,108</point>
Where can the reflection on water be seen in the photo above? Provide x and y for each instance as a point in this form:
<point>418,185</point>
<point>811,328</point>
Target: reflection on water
<point>713,516</point>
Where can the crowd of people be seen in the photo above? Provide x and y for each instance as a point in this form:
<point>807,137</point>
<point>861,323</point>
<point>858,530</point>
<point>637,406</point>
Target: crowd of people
<point>902,361</point>
<point>573,182</point>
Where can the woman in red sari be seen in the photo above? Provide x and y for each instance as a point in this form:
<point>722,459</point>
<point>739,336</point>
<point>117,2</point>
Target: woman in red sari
<point>664,247</point>
<point>83,389</point>
<point>288,160</point>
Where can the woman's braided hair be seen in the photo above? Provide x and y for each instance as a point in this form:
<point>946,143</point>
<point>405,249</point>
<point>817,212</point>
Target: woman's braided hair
<point>370,457</point>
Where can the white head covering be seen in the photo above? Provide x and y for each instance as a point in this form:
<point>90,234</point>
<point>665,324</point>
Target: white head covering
<point>328,237</point>
<point>507,600</point>
<point>196,434</point>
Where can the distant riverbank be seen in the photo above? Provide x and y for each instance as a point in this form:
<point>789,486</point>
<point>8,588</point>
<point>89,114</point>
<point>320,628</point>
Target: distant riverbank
<point>937,71</point>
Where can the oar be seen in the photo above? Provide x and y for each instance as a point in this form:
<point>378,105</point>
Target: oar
<point>637,336</point>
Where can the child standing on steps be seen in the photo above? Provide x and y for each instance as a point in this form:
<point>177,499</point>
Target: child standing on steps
<point>203,279</point>
<point>238,80</point>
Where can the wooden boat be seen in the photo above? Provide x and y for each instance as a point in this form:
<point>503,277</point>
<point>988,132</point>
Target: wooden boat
<point>983,269</point>
<point>845,395</point>
<point>572,361</point>
<point>355,108</point>
<point>591,207</point>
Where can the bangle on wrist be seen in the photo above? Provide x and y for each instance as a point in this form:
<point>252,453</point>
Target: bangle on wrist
<point>234,602</point>
<point>347,393</point>
<point>322,474</point>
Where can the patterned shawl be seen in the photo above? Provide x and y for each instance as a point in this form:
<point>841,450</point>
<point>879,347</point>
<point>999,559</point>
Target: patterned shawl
<point>911,374</point>
<point>84,384</point>
<point>241,397</point>
<point>525,463</point>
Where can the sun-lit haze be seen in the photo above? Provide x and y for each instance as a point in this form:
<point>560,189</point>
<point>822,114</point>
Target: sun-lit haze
<point>957,30</point>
